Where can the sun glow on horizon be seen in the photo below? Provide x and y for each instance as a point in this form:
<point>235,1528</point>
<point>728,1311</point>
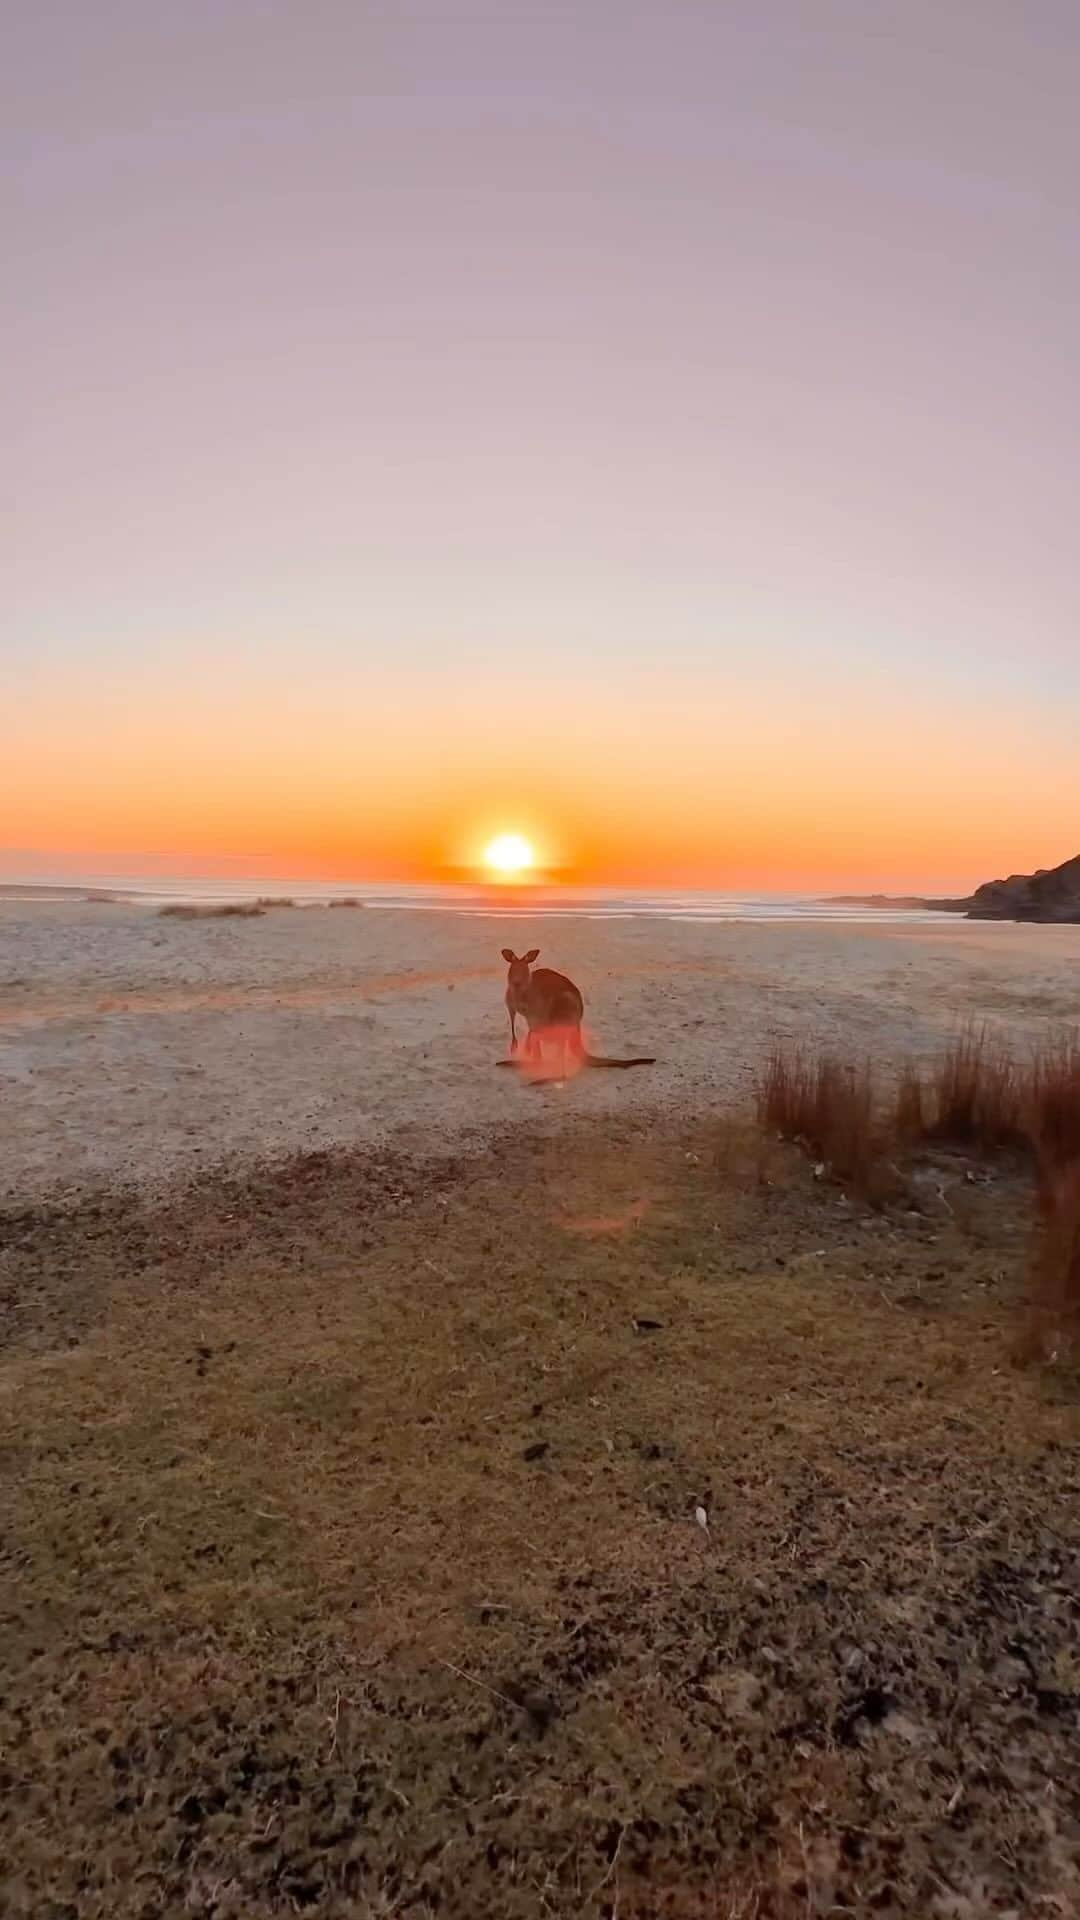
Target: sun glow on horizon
<point>509,854</point>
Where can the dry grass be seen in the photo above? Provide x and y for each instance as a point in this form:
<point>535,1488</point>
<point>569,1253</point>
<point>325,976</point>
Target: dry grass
<point>353,1508</point>
<point>1054,1122</point>
<point>349,900</point>
<point>910,1112</point>
<point>1054,1106</point>
<point>981,1097</point>
<point>1053,1326</point>
<point>975,1095</point>
<point>234,910</point>
<point>274,900</point>
<point>831,1107</point>
<point>978,1097</point>
<point>978,1094</point>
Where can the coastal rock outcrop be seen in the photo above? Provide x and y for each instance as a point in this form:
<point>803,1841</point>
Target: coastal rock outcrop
<point>1053,893</point>
<point>1050,895</point>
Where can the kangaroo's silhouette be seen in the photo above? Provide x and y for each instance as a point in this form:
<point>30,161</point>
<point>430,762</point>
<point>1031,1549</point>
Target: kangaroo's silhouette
<point>552,1009</point>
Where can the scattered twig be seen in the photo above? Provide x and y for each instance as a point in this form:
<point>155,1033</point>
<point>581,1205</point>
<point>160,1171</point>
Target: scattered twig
<point>474,1682</point>
<point>332,1723</point>
<point>612,1868</point>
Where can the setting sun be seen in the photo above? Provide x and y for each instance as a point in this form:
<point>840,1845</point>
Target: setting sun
<point>509,853</point>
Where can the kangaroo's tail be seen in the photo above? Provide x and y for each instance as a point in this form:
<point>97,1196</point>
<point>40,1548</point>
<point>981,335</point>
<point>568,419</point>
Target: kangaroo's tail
<point>603,1060</point>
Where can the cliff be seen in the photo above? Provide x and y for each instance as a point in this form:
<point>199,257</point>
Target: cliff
<point>1050,895</point>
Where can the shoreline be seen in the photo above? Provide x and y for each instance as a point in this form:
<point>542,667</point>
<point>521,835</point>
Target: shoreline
<point>517,900</point>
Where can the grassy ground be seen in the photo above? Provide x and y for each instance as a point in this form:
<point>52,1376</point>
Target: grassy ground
<point>353,1561</point>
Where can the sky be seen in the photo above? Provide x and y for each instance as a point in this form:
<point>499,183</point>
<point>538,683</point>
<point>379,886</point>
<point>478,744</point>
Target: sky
<point>653,428</point>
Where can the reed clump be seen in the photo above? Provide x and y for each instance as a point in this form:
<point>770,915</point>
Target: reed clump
<point>977,1095</point>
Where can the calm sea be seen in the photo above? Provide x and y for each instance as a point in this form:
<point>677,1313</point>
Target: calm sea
<point>502,902</point>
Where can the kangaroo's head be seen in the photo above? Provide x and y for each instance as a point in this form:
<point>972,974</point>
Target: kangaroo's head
<point>518,975</point>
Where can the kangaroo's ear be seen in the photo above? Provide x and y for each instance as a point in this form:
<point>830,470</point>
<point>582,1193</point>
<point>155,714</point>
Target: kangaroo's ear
<point>532,955</point>
<point>508,954</point>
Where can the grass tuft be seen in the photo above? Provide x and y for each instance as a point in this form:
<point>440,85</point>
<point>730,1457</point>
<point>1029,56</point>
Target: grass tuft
<point>975,1096</point>
<point>831,1107</point>
<point>236,910</point>
<point>1054,1106</point>
<point>910,1117</point>
<point>1054,1288</point>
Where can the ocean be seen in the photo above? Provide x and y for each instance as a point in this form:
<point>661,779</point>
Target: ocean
<point>499,901</point>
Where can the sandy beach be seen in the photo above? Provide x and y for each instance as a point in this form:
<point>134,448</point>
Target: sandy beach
<point>135,1047</point>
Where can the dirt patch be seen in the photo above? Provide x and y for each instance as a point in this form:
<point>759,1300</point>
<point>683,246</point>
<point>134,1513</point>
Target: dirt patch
<point>618,1524</point>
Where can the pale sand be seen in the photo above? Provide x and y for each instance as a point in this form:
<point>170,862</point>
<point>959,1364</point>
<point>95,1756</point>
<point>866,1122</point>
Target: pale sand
<point>134,1048</point>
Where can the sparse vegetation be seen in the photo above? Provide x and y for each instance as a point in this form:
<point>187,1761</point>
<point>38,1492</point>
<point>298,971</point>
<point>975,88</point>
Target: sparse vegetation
<point>910,1106</point>
<point>975,1094</point>
<point>977,1097</point>
<point>348,900</point>
<point>1054,1106</point>
<point>354,1511</point>
<point>234,910</point>
<point>830,1107</point>
<point>1055,1265</point>
<point>274,900</point>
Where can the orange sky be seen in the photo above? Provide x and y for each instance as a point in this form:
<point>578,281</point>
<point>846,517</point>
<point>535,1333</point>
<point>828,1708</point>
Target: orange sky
<point>745,787</point>
<point>655,432</point>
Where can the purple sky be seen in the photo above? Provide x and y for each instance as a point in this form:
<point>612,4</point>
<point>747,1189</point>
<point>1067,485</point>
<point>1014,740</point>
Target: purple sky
<point>394,359</point>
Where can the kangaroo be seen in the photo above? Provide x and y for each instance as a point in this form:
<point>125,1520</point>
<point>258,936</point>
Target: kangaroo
<point>550,1003</point>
